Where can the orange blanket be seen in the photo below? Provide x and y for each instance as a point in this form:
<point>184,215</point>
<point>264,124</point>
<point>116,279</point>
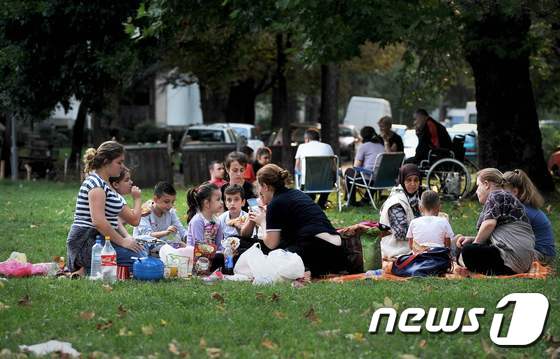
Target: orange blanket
<point>537,271</point>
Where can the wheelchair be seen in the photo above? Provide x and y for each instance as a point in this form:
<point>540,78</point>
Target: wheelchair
<point>449,172</point>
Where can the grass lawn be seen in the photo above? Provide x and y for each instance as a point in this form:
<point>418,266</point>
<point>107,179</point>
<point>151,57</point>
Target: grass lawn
<point>233,319</point>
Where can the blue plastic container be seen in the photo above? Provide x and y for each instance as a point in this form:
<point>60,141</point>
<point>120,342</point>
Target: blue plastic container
<point>148,268</point>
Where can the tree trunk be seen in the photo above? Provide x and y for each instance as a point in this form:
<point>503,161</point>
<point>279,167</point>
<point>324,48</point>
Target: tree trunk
<point>78,136</point>
<point>312,108</point>
<point>6,150</point>
<point>280,118</point>
<point>213,104</point>
<point>329,105</point>
<point>241,102</point>
<point>508,129</point>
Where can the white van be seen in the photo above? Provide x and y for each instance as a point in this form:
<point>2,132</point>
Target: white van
<point>470,112</point>
<point>366,111</point>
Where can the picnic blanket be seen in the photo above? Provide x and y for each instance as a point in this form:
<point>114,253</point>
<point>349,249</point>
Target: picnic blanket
<point>537,271</point>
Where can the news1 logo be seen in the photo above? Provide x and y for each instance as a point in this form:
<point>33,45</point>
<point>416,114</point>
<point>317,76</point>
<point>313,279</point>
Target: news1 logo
<point>525,327</point>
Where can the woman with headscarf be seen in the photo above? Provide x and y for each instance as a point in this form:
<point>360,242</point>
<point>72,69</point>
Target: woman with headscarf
<point>399,209</point>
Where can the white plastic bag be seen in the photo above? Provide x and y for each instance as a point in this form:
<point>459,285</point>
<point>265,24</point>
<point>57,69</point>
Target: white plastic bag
<point>286,265</point>
<point>279,265</point>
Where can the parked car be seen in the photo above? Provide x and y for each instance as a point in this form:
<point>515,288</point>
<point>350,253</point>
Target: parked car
<point>246,131</point>
<point>347,137</point>
<point>209,133</point>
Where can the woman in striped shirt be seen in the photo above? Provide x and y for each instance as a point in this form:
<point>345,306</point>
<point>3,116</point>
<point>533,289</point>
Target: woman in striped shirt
<point>98,207</point>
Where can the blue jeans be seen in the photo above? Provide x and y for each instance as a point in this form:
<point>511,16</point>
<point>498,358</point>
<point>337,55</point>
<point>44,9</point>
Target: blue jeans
<point>124,255</point>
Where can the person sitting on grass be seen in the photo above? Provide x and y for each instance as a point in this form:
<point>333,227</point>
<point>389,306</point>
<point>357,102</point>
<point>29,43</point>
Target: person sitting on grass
<point>505,241</point>
<point>236,162</point>
<point>294,222</point>
<point>123,185</point>
<point>162,222</point>
<point>234,218</point>
<point>521,186</point>
<point>429,230</point>
<point>98,207</point>
<point>217,173</point>
<point>400,208</point>
<point>262,158</point>
<point>204,204</point>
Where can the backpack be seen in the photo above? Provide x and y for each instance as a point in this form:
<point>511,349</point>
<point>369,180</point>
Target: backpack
<point>431,262</point>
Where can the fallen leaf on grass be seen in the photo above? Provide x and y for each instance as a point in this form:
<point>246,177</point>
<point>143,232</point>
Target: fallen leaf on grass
<point>214,352</point>
<point>104,326</point>
<point>553,353</point>
<point>32,226</point>
<point>217,296</point>
<point>60,212</point>
<point>202,343</point>
<point>87,315</point>
<point>163,323</point>
<point>330,333</point>
<point>123,332</point>
<point>259,296</point>
<point>97,354</point>
<point>147,330</point>
<point>173,348</point>
<point>269,344</point>
<point>343,311</point>
<point>25,300</point>
<point>423,343</point>
<point>4,306</point>
<point>387,302</point>
<point>107,288</point>
<point>122,311</point>
<point>407,356</point>
<point>311,316</point>
<point>279,315</point>
<point>357,337</point>
<point>274,297</point>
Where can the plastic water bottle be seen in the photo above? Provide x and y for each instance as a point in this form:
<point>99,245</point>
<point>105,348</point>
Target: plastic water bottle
<point>108,262</point>
<point>376,273</point>
<point>95,270</point>
<point>228,262</point>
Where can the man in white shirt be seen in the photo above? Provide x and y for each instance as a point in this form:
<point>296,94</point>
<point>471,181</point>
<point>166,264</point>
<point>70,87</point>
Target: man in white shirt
<point>313,147</point>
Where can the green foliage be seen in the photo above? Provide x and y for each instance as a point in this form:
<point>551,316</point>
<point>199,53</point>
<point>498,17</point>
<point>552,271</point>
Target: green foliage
<point>52,50</point>
<point>550,139</point>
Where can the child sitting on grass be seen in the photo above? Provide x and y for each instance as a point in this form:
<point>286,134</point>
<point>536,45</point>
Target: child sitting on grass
<point>123,185</point>
<point>217,173</point>
<point>162,221</point>
<point>429,230</point>
<point>235,164</point>
<point>232,219</point>
<point>205,202</point>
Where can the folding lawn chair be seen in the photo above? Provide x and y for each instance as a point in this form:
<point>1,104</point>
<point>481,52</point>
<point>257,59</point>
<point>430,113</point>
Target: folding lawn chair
<point>384,178</point>
<point>321,176</point>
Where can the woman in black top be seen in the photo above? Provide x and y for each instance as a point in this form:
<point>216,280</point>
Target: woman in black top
<point>393,142</point>
<point>297,224</point>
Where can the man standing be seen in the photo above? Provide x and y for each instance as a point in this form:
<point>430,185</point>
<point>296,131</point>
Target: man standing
<point>431,136</point>
<point>312,147</point>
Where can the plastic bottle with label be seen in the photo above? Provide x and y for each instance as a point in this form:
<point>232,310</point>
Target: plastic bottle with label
<point>95,269</point>
<point>108,262</point>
